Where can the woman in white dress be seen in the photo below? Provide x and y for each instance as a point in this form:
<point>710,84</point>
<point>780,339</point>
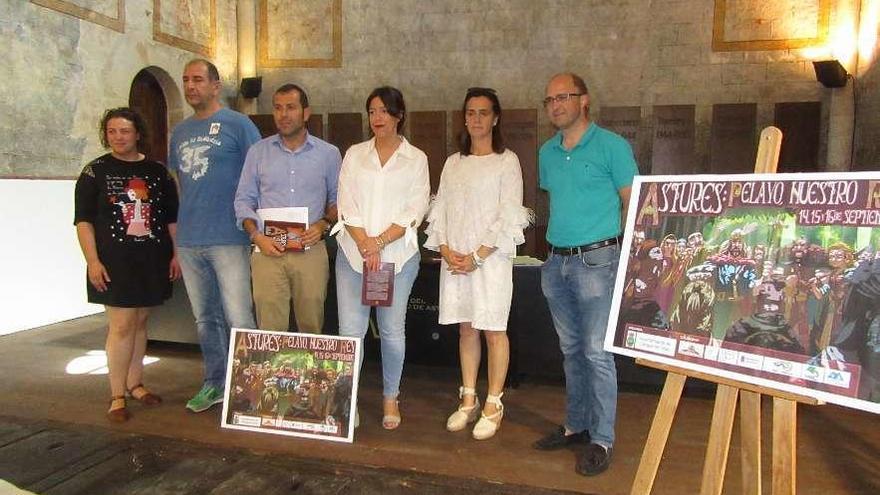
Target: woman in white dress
<point>476,222</point>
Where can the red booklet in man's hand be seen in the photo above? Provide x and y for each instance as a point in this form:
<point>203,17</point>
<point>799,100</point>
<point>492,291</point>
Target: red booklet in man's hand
<point>286,234</point>
<point>378,288</point>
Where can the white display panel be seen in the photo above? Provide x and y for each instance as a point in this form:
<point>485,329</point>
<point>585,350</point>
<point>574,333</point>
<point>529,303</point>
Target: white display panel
<point>43,271</point>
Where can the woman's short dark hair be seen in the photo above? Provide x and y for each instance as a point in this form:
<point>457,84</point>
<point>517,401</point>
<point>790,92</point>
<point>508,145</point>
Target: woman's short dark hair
<point>123,113</point>
<point>392,98</point>
<point>464,139</point>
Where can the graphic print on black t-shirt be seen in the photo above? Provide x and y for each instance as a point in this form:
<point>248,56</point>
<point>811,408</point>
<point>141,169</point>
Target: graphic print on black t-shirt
<point>133,219</point>
<point>130,206</point>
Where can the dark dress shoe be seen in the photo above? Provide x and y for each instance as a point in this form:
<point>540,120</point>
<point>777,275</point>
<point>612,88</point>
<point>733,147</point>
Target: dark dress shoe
<point>594,460</point>
<point>558,439</point>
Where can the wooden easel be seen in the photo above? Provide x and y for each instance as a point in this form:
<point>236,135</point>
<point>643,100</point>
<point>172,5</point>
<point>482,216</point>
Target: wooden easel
<point>728,391</point>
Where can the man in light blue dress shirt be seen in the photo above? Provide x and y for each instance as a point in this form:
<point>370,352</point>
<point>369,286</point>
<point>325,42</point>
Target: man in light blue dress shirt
<point>289,169</point>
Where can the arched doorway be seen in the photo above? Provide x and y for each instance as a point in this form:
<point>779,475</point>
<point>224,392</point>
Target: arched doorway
<point>147,98</point>
<point>155,95</point>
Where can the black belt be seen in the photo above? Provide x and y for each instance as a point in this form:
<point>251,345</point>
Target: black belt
<point>569,251</point>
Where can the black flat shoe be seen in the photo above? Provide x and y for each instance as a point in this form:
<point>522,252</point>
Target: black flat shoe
<point>558,439</point>
<point>594,460</point>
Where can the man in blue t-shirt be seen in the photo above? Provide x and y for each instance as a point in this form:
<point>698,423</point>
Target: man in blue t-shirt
<point>206,153</point>
<point>587,172</point>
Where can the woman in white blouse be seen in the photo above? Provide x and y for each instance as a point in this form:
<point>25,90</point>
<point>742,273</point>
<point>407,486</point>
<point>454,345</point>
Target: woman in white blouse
<point>384,191</point>
<point>476,222</point>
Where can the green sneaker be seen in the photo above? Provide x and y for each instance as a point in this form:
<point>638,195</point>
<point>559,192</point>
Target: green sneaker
<point>207,397</point>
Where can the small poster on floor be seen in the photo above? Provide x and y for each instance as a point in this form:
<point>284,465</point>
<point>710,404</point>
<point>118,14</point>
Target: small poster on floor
<point>295,384</point>
<point>772,280</point>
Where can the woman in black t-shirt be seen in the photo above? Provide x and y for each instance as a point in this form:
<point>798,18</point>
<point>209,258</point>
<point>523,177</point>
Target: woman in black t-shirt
<point>126,220</point>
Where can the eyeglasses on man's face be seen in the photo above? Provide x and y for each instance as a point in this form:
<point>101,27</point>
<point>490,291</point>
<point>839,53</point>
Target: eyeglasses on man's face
<point>560,98</point>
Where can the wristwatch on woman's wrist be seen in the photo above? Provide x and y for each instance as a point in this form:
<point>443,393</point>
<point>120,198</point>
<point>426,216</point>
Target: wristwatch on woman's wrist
<point>478,262</point>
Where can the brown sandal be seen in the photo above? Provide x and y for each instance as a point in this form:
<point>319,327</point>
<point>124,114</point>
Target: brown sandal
<point>118,412</point>
<point>146,397</point>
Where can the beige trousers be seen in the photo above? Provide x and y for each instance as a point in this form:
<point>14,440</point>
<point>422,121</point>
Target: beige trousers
<point>301,276</point>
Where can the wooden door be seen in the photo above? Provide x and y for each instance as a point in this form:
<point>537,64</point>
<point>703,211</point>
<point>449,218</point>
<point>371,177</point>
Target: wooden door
<point>148,99</point>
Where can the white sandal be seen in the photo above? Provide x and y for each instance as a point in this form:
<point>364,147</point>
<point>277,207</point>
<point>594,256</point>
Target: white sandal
<point>486,427</point>
<point>464,415</point>
<point>391,421</point>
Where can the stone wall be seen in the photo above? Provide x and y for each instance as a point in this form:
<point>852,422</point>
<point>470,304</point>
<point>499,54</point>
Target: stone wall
<point>63,70</point>
<point>631,52</point>
<point>867,135</point>
<point>867,96</point>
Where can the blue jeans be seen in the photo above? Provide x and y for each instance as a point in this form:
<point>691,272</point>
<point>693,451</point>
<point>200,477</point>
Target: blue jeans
<point>354,317</point>
<point>578,289</point>
<point>218,281</point>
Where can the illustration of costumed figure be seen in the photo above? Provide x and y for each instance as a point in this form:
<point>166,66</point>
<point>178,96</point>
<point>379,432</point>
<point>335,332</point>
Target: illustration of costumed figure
<point>759,255</point>
<point>671,284</point>
<point>735,277</point>
<point>341,407</point>
<point>136,214</point>
<point>663,293</point>
<point>643,279</point>
<point>637,240</point>
<point>768,327</point>
<point>269,394</point>
<point>697,246</point>
<point>254,387</point>
<point>831,289</point>
<point>857,339</point>
<point>803,260</point>
<point>694,312</point>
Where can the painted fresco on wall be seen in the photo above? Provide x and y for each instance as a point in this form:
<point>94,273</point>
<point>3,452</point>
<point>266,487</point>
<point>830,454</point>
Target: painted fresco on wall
<point>187,24</point>
<point>772,280</point>
<point>293,384</point>
<point>778,25</point>
<point>314,39</point>
<point>108,13</point>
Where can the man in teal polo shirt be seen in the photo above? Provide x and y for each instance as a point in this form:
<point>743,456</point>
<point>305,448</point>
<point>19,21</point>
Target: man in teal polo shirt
<point>587,172</point>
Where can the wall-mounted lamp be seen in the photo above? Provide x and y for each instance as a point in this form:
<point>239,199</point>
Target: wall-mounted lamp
<point>830,73</point>
<point>251,87</point>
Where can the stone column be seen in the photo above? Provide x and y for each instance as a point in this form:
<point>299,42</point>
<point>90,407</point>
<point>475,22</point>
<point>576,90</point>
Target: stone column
<point>246,14</point>
<point>841,112</point>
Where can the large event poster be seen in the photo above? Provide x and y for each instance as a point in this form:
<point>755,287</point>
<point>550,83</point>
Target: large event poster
<point>768,279</point>
<point>294,384</point>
